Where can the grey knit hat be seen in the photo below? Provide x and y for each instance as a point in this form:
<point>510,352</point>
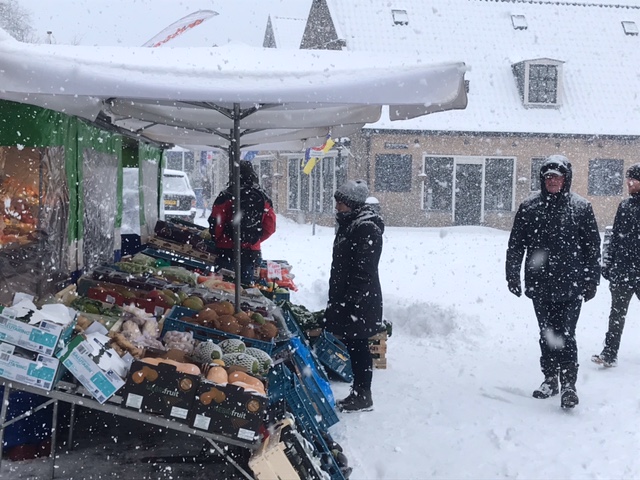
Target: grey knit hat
<point>634,171</point>
<point>353,193</point>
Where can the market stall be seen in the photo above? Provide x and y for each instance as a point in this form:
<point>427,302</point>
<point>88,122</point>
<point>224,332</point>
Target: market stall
<point>159,329</point>
<point>160,341</point>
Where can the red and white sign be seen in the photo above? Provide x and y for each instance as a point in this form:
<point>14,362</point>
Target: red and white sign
<point>179,27</point>
<point>274,271</point>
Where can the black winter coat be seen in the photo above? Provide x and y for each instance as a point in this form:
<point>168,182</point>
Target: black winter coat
<point>355,297</point>
<point>560,236</point>
<point>623,254</point>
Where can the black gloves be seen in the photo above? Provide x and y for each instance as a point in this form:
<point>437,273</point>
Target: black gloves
<point>589,291</point>
<point>514,287</point>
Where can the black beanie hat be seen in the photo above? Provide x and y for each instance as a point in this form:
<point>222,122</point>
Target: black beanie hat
<point>248,175</point>
<point>634,171</point>
<point>352,193</point>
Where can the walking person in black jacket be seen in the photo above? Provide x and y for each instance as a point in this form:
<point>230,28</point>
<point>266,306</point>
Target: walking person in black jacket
<point>558,231</point>
<point>622,267</point>
<point>354,310</point>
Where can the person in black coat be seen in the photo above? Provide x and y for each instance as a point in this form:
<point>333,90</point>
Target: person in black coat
<point>622,267</point>
<point>354,309</point>
<point>558,231</point>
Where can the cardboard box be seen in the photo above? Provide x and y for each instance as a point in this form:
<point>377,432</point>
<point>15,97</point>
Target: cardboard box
<point>228,410</point>
<point>81,359</point>
<point>41,338</point>
<point>28,367</point>
<point>160,389</point>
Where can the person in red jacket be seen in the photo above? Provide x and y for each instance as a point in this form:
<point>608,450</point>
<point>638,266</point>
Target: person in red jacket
<point>257,223</point>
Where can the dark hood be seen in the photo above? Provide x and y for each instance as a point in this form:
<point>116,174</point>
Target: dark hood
<point>562,165</point>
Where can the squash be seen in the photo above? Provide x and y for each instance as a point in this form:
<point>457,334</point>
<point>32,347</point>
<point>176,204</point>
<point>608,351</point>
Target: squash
<point>250,388</point>
<point>217,374</point>
<point>246,381</point>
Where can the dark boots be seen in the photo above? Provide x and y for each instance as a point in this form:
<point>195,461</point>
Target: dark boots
<point>359,400</point>
<point>548,388</point>
<point>568,377</point>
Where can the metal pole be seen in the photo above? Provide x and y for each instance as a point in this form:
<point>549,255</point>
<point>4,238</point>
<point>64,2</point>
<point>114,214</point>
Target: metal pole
<point>3,417</point>
<point>315,182</point>
<point>235,143</point>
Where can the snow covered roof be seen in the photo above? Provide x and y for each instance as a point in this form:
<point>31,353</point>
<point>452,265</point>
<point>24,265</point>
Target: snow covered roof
<point>600,84</point>
<point>289,98</point>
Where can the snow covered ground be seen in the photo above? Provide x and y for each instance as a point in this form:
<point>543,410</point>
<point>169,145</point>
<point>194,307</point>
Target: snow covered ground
<point>455,401</point>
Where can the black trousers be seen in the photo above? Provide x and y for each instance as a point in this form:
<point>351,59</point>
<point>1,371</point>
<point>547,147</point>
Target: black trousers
<point>557,322</point>
<point>621,294</point>
<point>361,362</point>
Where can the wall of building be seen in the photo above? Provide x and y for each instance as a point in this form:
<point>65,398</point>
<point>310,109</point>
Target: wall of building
<point>404,209</point>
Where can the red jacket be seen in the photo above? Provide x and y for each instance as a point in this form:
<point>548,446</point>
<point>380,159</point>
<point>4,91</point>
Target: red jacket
<point>222,214</point>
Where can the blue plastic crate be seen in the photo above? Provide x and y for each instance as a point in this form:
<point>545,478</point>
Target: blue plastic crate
<point>318,389</point>
<point>179,260</point>
<point>173,322</point>
<point>291,322</point>
<point>310,429</point>
<point>333,354</point>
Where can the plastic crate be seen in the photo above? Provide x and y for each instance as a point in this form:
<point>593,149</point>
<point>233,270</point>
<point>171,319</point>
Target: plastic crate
<point>291,323</point>
<point>179,260</point>
<point>333,354</point>
<point>317,388</point>
<point>172,322</point>
<point>299,405</point>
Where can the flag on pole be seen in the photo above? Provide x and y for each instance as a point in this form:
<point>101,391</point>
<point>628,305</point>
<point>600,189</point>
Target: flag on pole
<point>312,155</point>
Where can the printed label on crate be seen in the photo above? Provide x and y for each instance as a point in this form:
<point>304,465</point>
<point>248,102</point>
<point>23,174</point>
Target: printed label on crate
<point>40,371</point>
<point>202,422</point>
<point>245,434</point>
<point>134,401</point>
<point>178,412</point>
<point>101,384</point>
<point>42,338</point>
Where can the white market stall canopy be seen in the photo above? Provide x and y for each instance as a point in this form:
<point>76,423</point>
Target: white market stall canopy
<point>283,99</point>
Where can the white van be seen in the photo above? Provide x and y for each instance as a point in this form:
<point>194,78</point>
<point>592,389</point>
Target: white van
<point>179,199</point>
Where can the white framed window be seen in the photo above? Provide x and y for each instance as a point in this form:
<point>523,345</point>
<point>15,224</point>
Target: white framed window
<point>519,22</point>
<point>400,17</point>
<point>539,82</point>
<point>630,28</point>
<point>306,192</point>
<point>264,169</point>
<point>495,189</point>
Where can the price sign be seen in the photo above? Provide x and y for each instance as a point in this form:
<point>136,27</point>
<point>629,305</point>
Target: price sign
<point>274,271</point>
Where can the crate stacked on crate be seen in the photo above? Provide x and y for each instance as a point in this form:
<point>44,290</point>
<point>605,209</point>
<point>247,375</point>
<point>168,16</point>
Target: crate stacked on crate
<point>286,389</point>
<point>184,238</point>
<point>378,348</point>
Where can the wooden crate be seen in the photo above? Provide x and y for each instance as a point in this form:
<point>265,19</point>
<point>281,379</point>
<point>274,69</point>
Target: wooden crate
<point>163,244</point>
<point>183,249</point>
<point>378,348</point>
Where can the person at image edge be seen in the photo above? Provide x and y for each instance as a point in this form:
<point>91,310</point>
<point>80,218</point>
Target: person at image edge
<point>622,267</point>
<point>558,231</point>
<point>354,308</point>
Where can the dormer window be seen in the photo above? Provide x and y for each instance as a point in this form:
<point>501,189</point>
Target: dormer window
<point>519,22</point>
<point>400,17</point>
<point>539,82</point>
<point>630,28</point>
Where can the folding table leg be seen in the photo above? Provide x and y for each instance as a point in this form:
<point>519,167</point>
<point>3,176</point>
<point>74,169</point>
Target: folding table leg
<point>72,419</point>
<point>3,418</point>
<point>54,428</point>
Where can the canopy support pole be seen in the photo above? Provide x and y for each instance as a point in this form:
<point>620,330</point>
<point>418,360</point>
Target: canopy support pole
<point>235,144</point>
